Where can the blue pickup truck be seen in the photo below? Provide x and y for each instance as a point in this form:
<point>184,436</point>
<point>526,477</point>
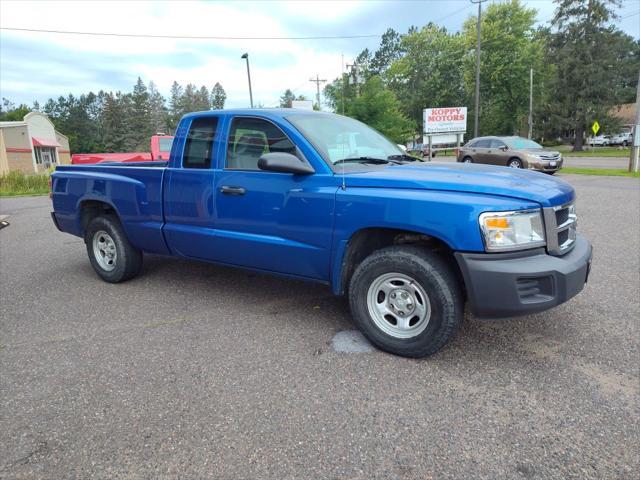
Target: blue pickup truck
<point>325,198</point>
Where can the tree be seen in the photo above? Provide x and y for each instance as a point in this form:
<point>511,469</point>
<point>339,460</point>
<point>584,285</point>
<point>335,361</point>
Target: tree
<point>286,98</point>
<point>176,107</point>
<point>9,112</point>
<point>140,120</point>
<point>218,97</point>
<point>157,110</point>
<point>378,107</point>
<point>510,48</point>
<point>589,77</point>
<point>428,72</point>
<point>388,52</point>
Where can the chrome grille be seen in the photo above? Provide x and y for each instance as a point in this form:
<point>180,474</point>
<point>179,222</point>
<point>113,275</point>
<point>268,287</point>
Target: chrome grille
<point>560,226</point>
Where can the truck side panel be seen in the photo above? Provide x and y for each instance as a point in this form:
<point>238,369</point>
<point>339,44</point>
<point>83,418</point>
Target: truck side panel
<point>448,216</point>
<point>135,194</point>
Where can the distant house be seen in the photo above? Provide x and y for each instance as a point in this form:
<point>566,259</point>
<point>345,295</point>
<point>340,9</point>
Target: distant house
<point>32,145</point>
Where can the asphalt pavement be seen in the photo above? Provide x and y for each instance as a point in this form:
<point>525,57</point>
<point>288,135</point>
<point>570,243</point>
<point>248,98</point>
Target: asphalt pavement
<point>197,371</point>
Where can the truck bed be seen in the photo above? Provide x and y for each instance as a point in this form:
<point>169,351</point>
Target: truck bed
<point>132,190</point>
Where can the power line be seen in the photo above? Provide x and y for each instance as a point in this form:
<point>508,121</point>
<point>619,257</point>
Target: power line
<point>185,37</point>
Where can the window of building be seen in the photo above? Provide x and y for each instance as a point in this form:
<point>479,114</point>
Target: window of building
<point>250,138</point>
<point>199,144</point>
<point>45,156</point>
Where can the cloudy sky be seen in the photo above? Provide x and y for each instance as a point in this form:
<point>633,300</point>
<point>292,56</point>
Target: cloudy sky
<point>36,66</point>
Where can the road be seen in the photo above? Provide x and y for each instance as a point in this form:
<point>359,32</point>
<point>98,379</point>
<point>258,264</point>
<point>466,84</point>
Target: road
<point>194,371</point>
<point>576,162</point>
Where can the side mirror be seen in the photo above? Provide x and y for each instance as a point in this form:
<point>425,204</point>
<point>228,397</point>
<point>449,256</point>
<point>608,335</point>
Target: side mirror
<point>504,148</point>
<point>284,163</point>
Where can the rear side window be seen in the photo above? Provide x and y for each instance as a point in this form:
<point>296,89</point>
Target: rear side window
<point>199,144</point>
<point>250,138</point>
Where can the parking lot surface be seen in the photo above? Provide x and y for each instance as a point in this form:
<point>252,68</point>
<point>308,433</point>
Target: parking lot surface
<point>197,371</point>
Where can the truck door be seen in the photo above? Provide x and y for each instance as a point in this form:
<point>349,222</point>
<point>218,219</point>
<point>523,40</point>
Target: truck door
<point>273,221</point>
<point>189,193</point>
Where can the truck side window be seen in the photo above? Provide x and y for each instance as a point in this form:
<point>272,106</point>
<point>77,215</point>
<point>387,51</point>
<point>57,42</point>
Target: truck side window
<point>250,138</point>
<point>199,143</point>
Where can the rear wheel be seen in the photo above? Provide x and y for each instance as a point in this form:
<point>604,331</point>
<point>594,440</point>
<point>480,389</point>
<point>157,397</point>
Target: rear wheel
<point>514,163</point>
<point>406,300</point>
<point>111,254</point>
<point>467,160</point>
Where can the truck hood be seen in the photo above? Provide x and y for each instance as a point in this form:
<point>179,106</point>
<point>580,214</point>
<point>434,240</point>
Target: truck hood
<point>464,177</point>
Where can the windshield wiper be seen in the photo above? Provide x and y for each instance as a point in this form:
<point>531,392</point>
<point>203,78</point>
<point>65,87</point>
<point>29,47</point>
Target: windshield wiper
<point>404,157</point>
<point>371,160</point>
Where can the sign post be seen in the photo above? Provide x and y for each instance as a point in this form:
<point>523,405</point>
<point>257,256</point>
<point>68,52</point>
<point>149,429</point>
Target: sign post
<point>444,124</point>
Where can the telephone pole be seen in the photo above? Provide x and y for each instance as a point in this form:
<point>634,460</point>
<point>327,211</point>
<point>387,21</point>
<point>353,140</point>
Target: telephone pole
<point>317,81</point>
<point>635,146</point>
<point>477,108</point>
<point>530,103</point>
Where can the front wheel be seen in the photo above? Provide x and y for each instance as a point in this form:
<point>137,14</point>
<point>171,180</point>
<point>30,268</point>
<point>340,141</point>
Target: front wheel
<point>111,254</point>
<point>514,163</point>
<point>406,300</point>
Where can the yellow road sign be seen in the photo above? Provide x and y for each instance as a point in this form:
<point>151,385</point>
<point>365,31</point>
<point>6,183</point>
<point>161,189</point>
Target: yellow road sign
<point>595,128</point>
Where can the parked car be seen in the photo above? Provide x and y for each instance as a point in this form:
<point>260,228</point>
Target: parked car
<point>601,140</point>
<point>514,152</point>
<point>624,139</point>
<point>281,191</point>
<point>159,148</point>
<point>421,149</point>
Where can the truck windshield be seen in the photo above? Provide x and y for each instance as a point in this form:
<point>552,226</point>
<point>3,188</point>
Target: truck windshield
<point>338,138</point>
<point>165,144</point>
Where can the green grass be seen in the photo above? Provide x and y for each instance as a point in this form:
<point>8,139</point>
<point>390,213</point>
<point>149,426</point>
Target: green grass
<point>600,171</point>
<point>593,151</point>
<point>16,183</point>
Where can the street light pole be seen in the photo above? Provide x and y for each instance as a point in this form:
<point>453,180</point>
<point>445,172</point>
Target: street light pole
<point>246,57</point>
<point>477,108</point>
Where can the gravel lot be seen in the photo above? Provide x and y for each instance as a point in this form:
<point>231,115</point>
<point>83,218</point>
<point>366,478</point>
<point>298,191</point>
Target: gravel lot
<point>194,371</point>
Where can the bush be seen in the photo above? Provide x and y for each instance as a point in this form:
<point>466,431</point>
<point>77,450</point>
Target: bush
<point>18,183</point>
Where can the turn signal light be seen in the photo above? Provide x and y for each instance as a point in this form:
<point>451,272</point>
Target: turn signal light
<point>497,222</point>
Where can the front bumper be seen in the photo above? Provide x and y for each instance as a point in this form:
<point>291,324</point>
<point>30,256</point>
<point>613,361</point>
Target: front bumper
<point>545,166</point>
<point>519,283</point>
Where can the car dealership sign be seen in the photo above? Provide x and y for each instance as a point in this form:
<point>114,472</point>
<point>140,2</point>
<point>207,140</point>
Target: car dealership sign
<point>445,120</point>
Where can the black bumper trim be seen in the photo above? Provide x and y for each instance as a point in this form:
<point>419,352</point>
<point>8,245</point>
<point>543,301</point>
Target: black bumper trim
<point>55,220</point>
<point>512,284</point>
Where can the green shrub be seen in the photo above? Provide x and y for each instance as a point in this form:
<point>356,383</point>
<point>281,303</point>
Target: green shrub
<point>18,183</point>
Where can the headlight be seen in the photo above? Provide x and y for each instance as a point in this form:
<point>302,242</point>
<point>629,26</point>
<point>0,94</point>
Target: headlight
<point>504,231</point>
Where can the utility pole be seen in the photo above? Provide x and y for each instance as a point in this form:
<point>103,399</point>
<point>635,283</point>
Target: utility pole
<point>635,146</point>
<point>342,78</point>
<point>530,103</point>
<point>477,109</point>
<point>317,81</point>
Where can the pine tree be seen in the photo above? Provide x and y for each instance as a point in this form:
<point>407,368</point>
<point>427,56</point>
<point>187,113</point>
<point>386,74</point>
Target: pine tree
<point>140,119</point>
<point>218,97</point>
<point>158,110</point>
<point>176,106</point>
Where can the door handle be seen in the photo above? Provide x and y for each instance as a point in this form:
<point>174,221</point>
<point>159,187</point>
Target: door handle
<point>227,190</point>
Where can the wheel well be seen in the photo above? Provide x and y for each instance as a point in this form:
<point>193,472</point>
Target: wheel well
<point>366,241</point>
<point>91,209</point>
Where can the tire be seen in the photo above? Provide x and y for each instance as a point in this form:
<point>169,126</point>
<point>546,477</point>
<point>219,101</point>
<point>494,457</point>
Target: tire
<point>111,254</point>
<point>514,163</point>
<point>467,160</point>
<point>406,269</point>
